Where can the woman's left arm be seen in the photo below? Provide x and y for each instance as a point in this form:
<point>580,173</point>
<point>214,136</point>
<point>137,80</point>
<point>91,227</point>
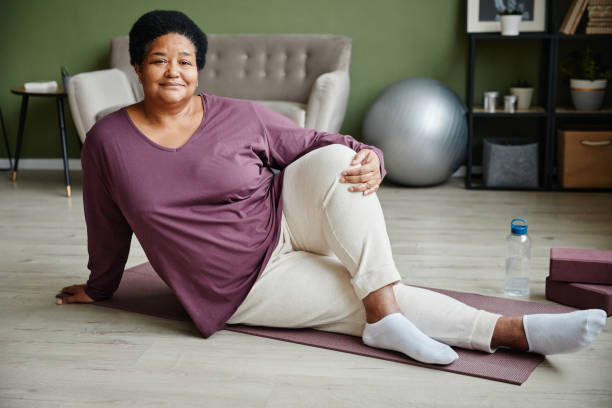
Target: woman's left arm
<point>288,141</point>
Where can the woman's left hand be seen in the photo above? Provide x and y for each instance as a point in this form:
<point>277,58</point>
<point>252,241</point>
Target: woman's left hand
<point>367,176</point>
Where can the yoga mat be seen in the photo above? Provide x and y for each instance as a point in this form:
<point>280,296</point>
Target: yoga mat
<point>142,291</point>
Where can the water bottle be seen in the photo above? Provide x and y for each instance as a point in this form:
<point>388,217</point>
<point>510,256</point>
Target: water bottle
<point>518,256</point>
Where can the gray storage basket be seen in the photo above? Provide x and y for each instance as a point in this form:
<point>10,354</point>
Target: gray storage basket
<point>510,162</point>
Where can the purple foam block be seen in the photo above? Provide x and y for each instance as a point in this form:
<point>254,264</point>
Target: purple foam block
<point>582,295</point>
<point>581,265</point>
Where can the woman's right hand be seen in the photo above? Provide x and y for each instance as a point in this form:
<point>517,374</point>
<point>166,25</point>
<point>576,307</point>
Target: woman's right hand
<point>73,294</point>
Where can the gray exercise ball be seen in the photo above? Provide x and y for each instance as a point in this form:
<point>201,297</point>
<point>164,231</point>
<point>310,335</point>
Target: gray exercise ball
<point>421,127</point>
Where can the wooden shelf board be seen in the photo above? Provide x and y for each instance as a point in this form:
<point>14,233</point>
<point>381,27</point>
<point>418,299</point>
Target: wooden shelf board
<point>479,186</point>
<point>583,36</point>
<point>521,36</point>
<point>565,110</point>
<point>537,35</point>
<point>534,110</point>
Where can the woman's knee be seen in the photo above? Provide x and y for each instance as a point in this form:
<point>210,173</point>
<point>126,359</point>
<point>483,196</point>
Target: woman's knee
<point>311,179</point>
<point>335,154</point>
<point>327,162</point>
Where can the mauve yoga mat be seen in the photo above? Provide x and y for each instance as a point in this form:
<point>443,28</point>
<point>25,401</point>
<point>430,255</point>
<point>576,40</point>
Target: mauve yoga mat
<point>142,291</point>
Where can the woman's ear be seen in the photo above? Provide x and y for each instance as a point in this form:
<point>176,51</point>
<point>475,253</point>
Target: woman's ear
<point>138,72</point>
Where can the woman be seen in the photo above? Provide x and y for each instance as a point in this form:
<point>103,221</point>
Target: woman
<point>190,176</point>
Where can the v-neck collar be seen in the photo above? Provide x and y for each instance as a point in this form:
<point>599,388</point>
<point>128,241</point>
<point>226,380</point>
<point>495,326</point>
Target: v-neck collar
<point>194,136</point>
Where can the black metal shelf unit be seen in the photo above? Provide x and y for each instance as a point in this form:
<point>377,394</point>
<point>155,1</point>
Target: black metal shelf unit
<point>546,113</point>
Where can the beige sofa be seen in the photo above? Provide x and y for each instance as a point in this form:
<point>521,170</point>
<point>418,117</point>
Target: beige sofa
<point>302,76</point>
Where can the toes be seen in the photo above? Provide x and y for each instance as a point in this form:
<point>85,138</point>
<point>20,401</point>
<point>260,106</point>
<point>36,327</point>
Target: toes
<point>601,314</point>
<point>448,357</point>
<point>595,321</point>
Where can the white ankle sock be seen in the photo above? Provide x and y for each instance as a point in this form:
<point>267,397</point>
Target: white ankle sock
<point>563,333</point>
<point>396,332</point>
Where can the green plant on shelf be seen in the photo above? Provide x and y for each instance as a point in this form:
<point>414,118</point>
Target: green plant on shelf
<point>510,8</point>
<point>522,83</point>
<point>585,64</point>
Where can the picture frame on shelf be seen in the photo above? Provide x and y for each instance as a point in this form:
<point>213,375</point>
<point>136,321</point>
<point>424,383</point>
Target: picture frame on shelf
<point>483,15</point>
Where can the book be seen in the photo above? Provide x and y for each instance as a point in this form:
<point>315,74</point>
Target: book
<point>581,11</point>
<point>600,12</point>
<point>572,17</point>
<point>600,20</point>
<point>600,2</point>
<point>600,24</point>
<point>599,30</point>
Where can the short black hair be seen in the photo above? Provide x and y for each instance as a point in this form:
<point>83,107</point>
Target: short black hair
<point>161,22</point>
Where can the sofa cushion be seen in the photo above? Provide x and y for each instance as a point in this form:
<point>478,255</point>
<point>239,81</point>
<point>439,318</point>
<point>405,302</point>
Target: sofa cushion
<point>293,110</point>
<point>106,111</point>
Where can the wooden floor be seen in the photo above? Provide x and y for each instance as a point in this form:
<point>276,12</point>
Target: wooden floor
<point>86,356</point>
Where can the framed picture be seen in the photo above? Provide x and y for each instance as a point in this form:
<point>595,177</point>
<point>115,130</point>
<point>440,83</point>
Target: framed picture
<point>483,15</point>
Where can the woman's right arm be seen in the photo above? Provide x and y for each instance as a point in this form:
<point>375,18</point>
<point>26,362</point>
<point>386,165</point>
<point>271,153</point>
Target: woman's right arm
<point>287,141</point>
<point>108,233</point>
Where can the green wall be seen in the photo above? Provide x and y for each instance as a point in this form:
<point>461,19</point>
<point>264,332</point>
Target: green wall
<point>392,40</point>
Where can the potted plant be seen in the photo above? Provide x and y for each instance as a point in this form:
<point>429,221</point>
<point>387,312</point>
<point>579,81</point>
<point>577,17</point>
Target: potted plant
<point>523,90</point>
<point>510,16</point>
<point>588,79</point>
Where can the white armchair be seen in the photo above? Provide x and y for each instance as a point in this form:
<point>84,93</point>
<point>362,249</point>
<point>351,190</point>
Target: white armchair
<point>302,76</point>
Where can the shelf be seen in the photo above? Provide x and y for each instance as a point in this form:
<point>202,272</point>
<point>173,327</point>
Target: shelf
<point>542,120</point>
<point>534,111</point>
<point>583,36</point>
<point>483,187</point>
<point>557,187</point>
<point>478,184</point>
<point>571,112</point>
<point>521,36</point>
<point>536,36</point>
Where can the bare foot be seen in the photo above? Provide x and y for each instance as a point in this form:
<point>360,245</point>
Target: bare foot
<point>73,294</point>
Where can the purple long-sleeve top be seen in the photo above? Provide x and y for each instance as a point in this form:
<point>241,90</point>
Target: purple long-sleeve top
<point>207,214</point>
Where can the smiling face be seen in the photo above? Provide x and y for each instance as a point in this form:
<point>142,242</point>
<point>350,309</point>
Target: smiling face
<point>169,73</point>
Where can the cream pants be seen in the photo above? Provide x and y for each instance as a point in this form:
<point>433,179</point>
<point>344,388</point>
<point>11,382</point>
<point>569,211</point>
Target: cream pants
<point>333,251</point>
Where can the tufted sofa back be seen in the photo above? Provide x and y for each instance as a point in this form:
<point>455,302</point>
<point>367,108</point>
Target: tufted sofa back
<point>257,66</point>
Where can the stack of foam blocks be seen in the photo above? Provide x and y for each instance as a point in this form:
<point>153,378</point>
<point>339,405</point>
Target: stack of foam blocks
<point>580,278</point>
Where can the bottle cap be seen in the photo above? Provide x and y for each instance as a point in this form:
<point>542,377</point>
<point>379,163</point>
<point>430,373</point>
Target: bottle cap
<point>518,228</point>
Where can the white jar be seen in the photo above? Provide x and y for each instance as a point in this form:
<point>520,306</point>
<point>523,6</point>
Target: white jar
<point>510,24</point>
<point>524,96</point>
<point>490,101</point>
<point>509,103</point>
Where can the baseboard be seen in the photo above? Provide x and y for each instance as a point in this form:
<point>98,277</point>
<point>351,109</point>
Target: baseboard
<point>461,171</point>
<point>42,164</point>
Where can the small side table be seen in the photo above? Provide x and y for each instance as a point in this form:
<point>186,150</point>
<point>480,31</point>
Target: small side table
<point>6,143</point>
<point>59,96</point>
